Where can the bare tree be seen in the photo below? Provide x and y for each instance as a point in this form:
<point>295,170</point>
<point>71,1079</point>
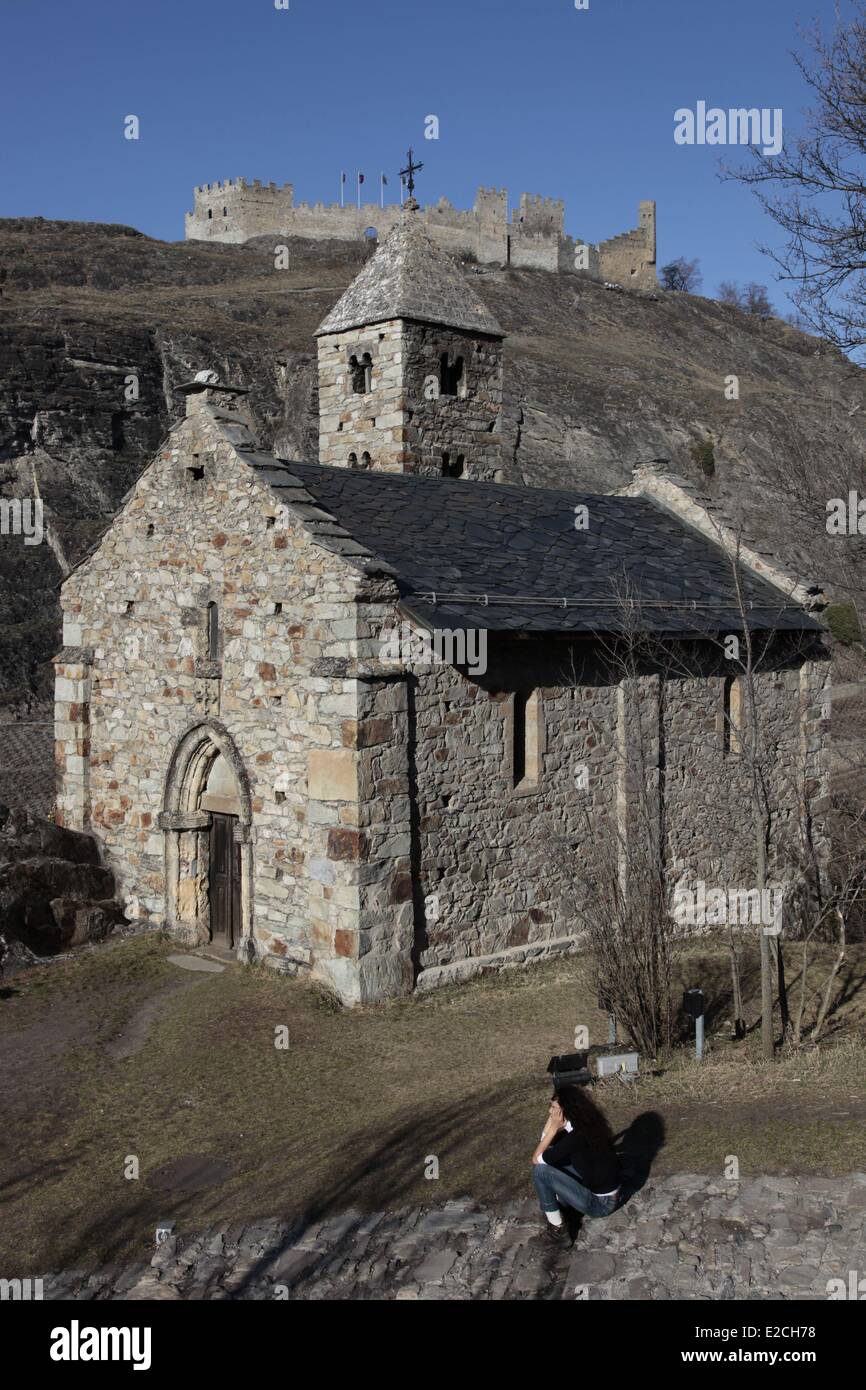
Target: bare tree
<point>815,188</point>
<point>752,298</point>
<point>729,293</point>
<point>682,275</point>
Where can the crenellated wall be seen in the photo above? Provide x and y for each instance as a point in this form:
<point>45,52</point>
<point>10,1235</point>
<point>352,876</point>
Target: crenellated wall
<point>533,236</point>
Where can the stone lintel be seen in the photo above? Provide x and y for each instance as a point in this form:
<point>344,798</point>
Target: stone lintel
<point>183,820</point>
<point>74,656</point>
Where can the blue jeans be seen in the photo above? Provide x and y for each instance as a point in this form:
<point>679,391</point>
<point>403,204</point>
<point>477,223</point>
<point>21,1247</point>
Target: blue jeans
<point>562,1187</point>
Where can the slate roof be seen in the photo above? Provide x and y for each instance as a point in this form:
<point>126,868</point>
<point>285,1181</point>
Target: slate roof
<point>489,555</point>
<point>410,277</point>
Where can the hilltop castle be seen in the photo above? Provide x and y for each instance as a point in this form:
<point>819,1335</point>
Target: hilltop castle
<point>534,235</point>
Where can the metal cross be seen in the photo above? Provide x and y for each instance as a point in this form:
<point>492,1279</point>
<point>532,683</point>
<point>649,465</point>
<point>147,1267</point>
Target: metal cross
<point>409,174</point>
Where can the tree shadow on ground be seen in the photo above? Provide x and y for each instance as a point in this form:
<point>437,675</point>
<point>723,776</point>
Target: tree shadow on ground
<point>372,1174</point>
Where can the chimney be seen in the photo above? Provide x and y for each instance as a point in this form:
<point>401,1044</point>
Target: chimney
<point>207,392</point>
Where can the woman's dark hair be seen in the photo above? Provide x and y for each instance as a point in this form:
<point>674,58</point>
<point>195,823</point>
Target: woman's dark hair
<point>584,1114</point>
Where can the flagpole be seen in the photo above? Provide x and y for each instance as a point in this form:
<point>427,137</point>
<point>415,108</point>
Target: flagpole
<point>381,190</point>
<point>342,188</point>
<point>359,192</point>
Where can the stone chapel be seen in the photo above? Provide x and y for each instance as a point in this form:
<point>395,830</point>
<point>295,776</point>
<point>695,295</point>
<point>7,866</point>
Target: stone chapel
<point>271,775</point>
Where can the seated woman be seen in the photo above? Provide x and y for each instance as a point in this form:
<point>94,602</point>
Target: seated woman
<point>575,1163</point>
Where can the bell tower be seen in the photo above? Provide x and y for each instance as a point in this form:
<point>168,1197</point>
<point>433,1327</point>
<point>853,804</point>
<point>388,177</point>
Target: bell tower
<point>410,366</point>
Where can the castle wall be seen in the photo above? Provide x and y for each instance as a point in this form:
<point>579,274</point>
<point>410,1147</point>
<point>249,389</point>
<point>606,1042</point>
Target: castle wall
<point>534,237</point>
<point>629,259</point>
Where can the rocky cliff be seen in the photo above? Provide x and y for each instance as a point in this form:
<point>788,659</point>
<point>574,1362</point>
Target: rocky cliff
<point>100,324</point>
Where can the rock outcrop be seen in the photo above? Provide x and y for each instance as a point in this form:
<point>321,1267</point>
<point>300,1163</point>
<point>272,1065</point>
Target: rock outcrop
<point>54,893</point>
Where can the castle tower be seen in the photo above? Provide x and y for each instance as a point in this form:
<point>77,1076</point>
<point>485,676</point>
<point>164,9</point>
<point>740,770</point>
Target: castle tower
<point>410,366</point>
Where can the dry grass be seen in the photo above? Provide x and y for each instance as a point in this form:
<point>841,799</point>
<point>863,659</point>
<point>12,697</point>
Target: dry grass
<point>118,1052</point>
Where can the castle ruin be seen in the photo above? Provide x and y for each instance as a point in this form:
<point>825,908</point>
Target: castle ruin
<point>533,236</point>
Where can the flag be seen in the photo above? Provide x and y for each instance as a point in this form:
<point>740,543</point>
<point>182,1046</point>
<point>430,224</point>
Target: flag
<point>384,179</point>
<point>360,178</point>
<point>343,177</point>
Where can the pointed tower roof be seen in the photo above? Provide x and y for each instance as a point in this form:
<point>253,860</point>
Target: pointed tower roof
<point>410,277</point>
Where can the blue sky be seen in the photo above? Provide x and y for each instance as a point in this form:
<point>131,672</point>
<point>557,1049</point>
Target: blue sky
<point>530,94</point>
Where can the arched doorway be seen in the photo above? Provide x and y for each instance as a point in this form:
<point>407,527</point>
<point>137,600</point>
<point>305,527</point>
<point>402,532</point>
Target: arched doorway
<point>207,820</point>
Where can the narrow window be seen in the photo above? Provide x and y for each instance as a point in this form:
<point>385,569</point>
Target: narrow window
<point>213,632</point>
<point>353,460</point>
<point>225,212</point>
<point>210,212</point>
<point>518,738</point>
<point>525,745</point>
<point>451,382</point>
<point>732,715</point>
<point>365,460</point>
<point>452,468</point>
<point>361,373</point>
<point>117,440</point>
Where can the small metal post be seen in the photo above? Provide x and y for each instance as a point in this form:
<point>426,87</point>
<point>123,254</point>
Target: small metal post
<point>699,1037</point>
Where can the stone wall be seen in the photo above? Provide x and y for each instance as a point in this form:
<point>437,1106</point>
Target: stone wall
<point>707,784</point>
<point>533,236</point>
<point>403,424</point>
<point>372,422</point>
<point>501,867</point>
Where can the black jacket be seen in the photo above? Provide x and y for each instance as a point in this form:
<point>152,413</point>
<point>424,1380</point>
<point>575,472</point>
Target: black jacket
<point>596,1161</point>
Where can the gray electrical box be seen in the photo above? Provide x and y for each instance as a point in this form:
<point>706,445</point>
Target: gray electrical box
<point>616,1061</point>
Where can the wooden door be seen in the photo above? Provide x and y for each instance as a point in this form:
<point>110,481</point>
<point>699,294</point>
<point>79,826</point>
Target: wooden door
<point>225,881</point>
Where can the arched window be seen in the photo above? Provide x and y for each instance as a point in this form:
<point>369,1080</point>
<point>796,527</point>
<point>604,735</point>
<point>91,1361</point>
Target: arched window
<point>452,468</point>
<point>353,460</point>
<point>451,377</point>
<point>361,373</point>
<point>365,460</point>
<point>210,212</point>
<point>213,632</point>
